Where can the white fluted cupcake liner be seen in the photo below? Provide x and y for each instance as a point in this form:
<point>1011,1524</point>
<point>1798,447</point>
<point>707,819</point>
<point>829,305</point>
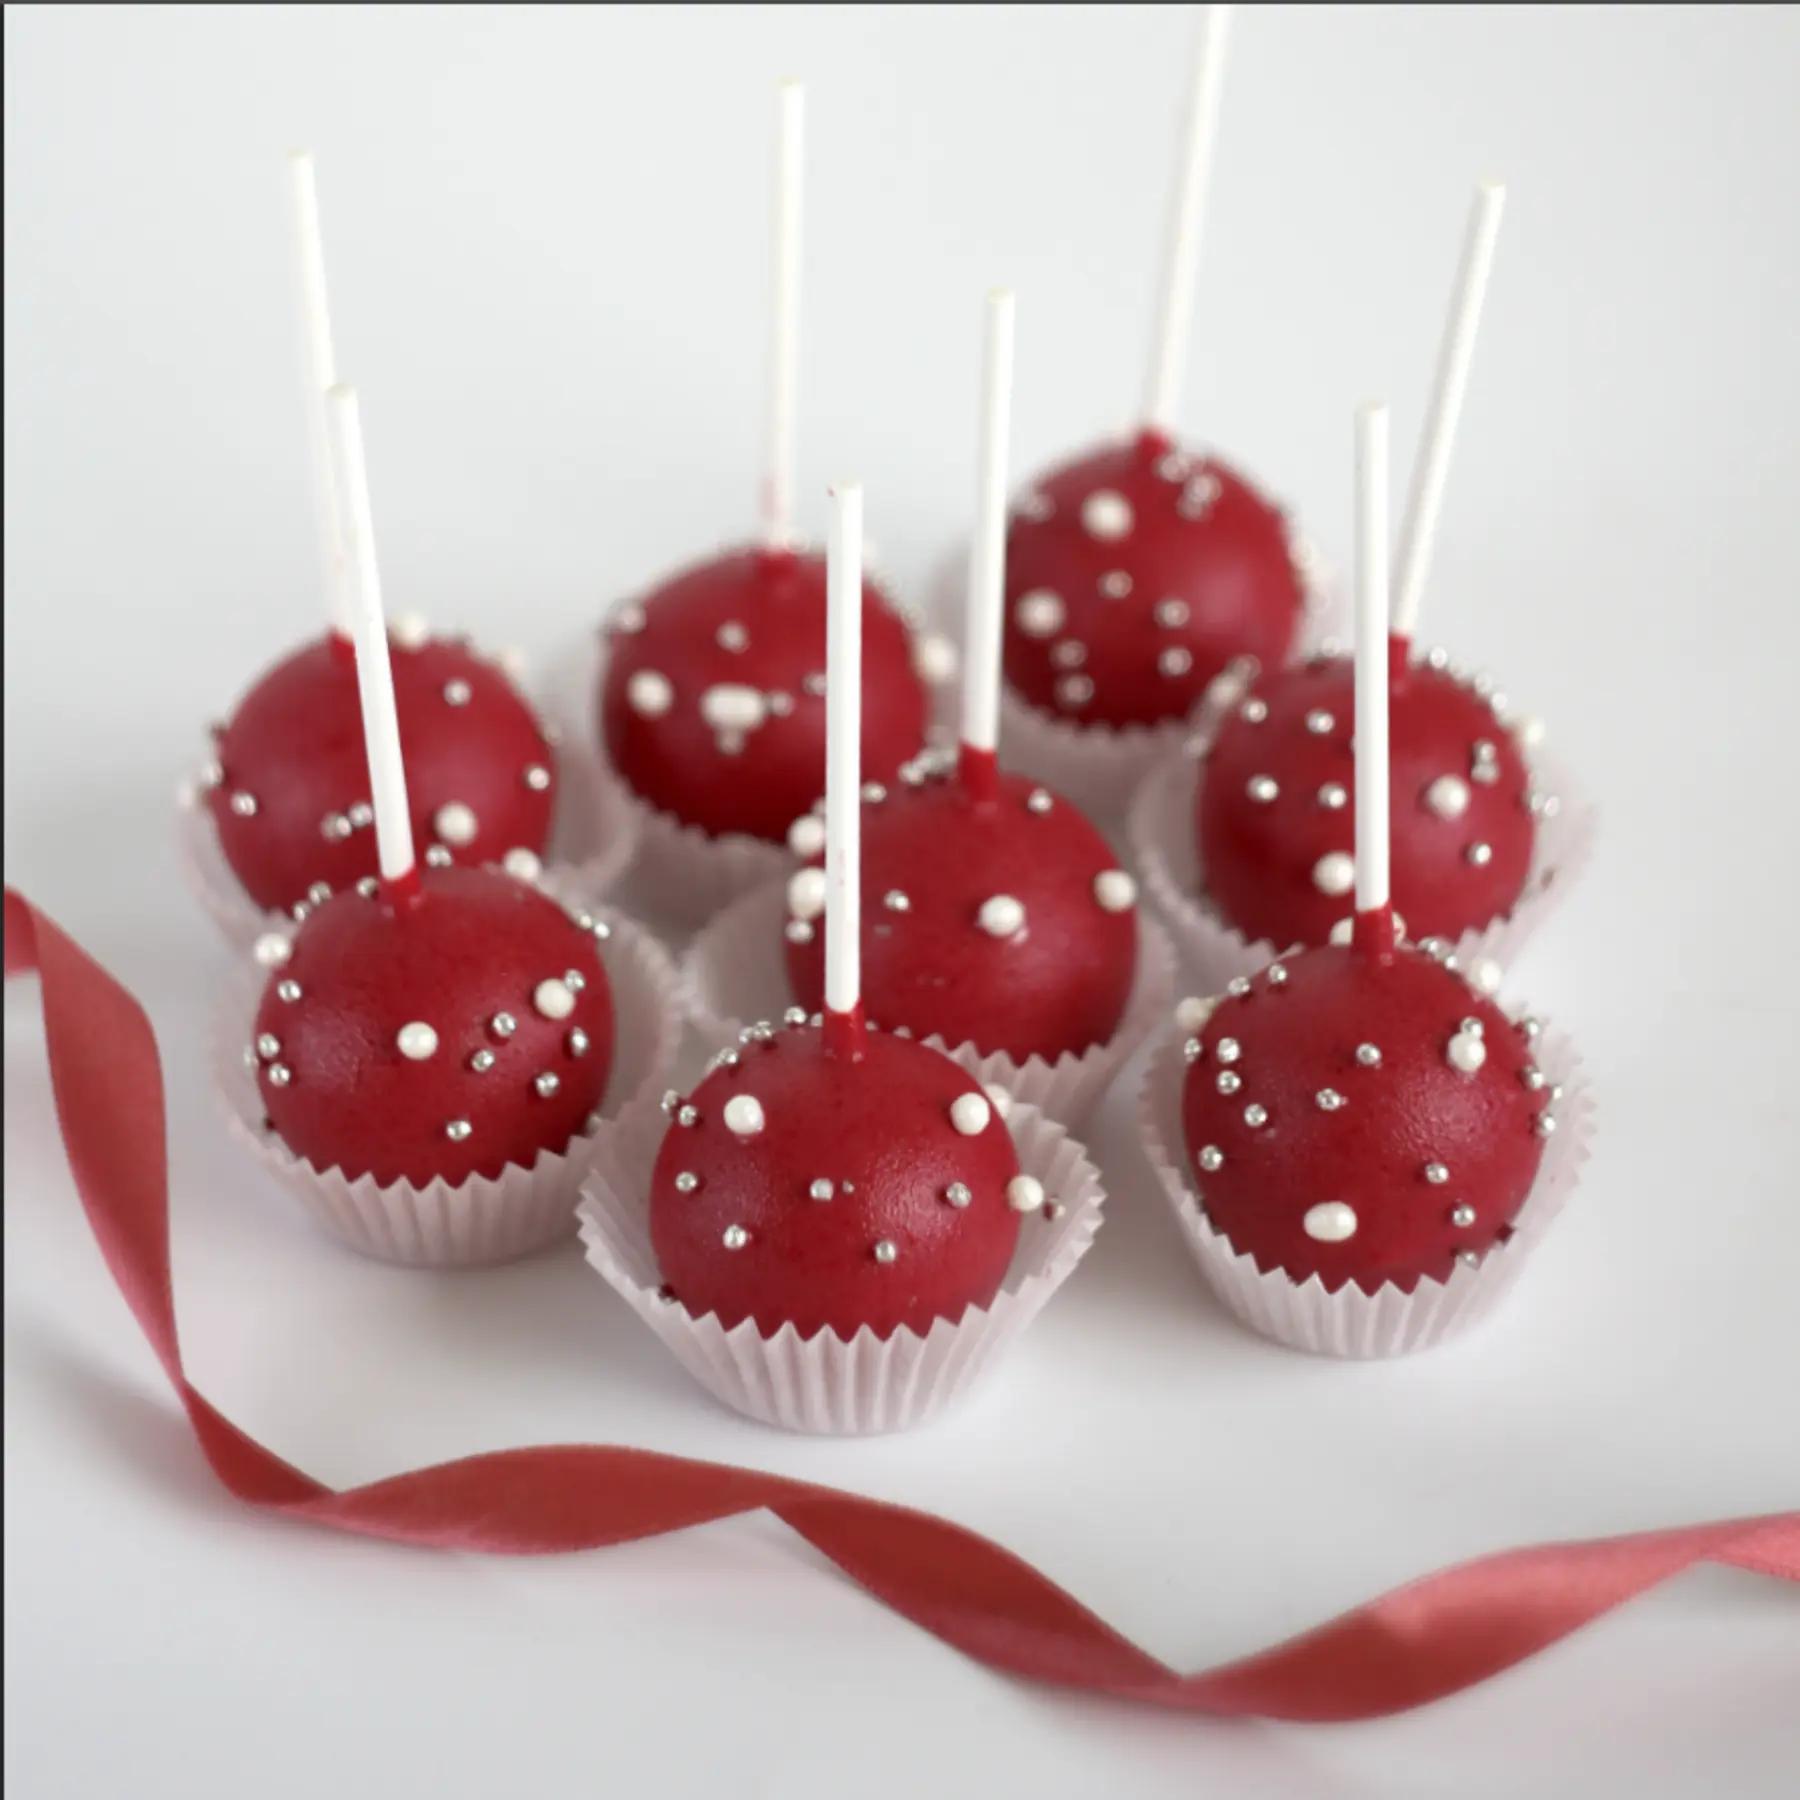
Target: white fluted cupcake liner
<point>485,1219</point>
<point>734,974</point>
<point>1161,842</point>
<point>824,1384</point>
<point>1350,1322</point>
<point>593,836</point>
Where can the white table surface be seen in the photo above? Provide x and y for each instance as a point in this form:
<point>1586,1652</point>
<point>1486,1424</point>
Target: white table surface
<point>545,233</point>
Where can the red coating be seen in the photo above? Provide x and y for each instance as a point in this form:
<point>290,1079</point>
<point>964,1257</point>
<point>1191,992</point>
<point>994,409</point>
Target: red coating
<point>679,763</point>
<point>1200,534</point>
<point>1415,1108</point>
<point>295,744</point>
<point>880,1122</point>
<point>470,944</point>
<point>1258,857</point>
<point>1061,984</point>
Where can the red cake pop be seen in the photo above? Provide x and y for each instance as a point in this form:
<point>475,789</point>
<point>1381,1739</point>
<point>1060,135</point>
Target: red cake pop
<point>995,913</point>
<point>1272,818</point>
<point>711,704</point>
<point>1138,572</point>
<point>287,784</point>
<point>1359,1112</point>
<point>288,787</point>
<point>442,1024</point>
<point>830,1176</point>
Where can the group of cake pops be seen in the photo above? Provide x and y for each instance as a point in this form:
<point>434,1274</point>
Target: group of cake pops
<point>914,985</point>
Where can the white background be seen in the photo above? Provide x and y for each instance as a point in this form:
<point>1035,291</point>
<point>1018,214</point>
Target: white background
<point>545,232</point>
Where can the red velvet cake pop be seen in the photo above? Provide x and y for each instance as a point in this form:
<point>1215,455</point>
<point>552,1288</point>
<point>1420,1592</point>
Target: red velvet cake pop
<point>801,1187</point>
<point>712,707</point>
<point>1363,1117</point>
<point>441,1032</point>
<point>435,1024</point>
<point>1359,1112</point>
<point>1274,815</point>
<point>829,1176</point>
<point>1138,573</point>
<point>288,787</point>
<point>1273,821</point>
<point>994,913</point>
<point>287,782</point>
<point>711,704</point>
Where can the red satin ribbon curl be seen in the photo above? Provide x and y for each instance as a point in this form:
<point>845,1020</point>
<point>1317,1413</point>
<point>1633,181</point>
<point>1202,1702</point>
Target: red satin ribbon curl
<point>1433,1637</point>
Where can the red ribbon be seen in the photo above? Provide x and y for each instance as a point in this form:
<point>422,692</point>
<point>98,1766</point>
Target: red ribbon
<point>1418,1643</point>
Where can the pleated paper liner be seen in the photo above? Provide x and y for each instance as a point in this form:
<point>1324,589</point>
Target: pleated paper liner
<point>484,1219</point>
<point>1350,1322</point>
<point>1165,855</point>
<point>592,839</point>
<point>823,1384</point>
<point>735,974</point>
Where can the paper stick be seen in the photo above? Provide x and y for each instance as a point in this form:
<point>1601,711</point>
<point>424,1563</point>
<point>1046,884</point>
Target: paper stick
<point>987,549</point>
<point>1371,657</point>
<point>843,750</point>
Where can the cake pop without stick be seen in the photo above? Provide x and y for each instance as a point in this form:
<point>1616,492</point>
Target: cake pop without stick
<point>1272,817</point>
<point>711,702</point>
<point>1139,571</point>
<point>286,784</point>
<point>993,913</point>
<point>829,1175</point>
<point>1359,1112</point>
<point>429,1023</point>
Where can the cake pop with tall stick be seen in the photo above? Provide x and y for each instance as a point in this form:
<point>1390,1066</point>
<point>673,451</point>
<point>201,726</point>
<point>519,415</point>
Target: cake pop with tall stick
<point>1273,816</point>
<point>424,1023</point>
<point>1358,1112</point>
<point>1139,572</point>
<point>712,699</point>
<point>828,1174</point>
<point>994,914</point>
<point>286,784</point>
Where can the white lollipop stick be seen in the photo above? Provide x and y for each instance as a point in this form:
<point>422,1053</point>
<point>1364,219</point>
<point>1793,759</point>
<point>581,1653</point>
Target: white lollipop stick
<point>843,750</point>
<point>321,374</point>
<point>1186,221</point>
<point>1372,888</point>
<point>1456,351</point>
<point>374,673</point>
<point>784,347</point>
<point>987,550</point>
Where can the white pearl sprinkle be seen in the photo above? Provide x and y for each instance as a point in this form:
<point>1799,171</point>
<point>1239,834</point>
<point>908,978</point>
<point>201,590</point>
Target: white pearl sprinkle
<point>970,1114</point>
<point>1069,654</point>
<point>1448,797</point>
<point>1262,788</point>
<point>730,706</point>
<point>1334,872</point>
<point>743,1115</point>
<point>1462,1215</point>
<point>732,636</point>
<point>895,900</point>
<point>1369,1055</point>
<point>686,1182</point>
<point>1039,800</point>
<point>1253,711</point>
<point>536,777</point>
<point>1465,1052</point>
<point>1229,1081</point>
<point>1228,1050</point>
<point>1319,721</point>
<point>1331,1221</point>
<point>288,991</point>
<point>1328,1100</point>
<point>822,1189</point>
<point>1024,1194</point>
<point>1115,891</point>
<point>410,630</point>
<point>1485,975</point>
<point>457,1130</point>
<point>734,1237</point>
<point>271,950</point>
<point>1075,690</point>
<point>1001,916</point>
<point>457,693</point>
<point>958,1194</point>
<point>1529,731</point>
<point>1479,855</point>
<point>806,836</point>
<point>1106,514</point>
<point>522,864</point>
<point>934,658</point>
<point>455,823</point>
<point>797,931</point>
<point>547,1084</point>
<point>1115,584</point>
<point>244,805</point>
<point>650,693</point>
<point>1211,1158</point>
<point>1193,1012</point>
<point>806,893</point>
<point>416,1041</point>
<point>1333,796</point>
<point>554,998</point>
<point>1171,614</point>
<point>1255,1115</point>
<point>886,1250</point>
<point>1040,613</point>
<point>1175,662</point>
